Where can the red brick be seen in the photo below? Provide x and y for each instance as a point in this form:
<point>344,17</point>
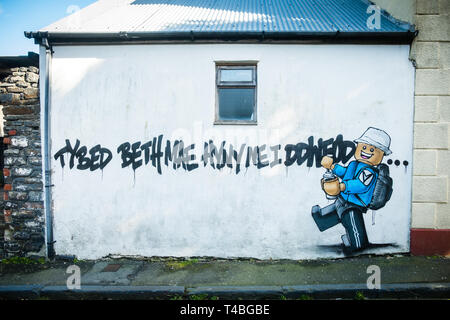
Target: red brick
<point>12,132</point>
<point>428,242</point>
<point>7,187</point>
<point>6,141</point>
<point>6,172</point>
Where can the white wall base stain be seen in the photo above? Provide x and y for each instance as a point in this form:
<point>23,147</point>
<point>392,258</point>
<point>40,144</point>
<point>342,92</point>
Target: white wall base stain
<point>114,94</point>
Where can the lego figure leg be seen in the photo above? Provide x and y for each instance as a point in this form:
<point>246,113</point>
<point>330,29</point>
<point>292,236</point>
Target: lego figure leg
<point>353,222</point>
<point>326,217</point>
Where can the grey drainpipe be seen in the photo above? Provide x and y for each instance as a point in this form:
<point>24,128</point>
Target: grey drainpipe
<point>47,154</point>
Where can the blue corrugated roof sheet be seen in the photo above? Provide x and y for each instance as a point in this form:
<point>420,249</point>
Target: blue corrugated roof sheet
<point>274,16</point>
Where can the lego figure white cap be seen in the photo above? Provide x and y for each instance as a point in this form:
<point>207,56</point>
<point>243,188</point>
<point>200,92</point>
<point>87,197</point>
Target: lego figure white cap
<point>377,138</point>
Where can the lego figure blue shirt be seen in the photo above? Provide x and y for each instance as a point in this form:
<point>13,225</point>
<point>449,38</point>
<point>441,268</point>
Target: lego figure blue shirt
<point>359,179</point>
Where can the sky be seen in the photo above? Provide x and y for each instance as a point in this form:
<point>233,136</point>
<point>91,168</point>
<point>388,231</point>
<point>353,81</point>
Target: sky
<point>17,16</point>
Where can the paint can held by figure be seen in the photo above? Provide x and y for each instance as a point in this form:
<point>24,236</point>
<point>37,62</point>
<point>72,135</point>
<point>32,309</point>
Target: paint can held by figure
<point>330,184</point>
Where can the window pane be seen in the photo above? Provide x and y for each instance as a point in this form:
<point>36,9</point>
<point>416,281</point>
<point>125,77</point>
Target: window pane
<point>236,75</point>
<point>236,104</point>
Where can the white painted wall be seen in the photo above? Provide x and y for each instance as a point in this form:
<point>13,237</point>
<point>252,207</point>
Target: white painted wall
<point>111,94</point>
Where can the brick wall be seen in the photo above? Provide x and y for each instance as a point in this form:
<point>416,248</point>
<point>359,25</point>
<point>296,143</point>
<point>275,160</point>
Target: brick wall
<point>431,51</point>
<point>23,218</point>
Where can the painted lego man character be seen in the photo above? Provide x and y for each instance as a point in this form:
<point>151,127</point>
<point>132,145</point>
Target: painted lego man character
<point>354,189</point>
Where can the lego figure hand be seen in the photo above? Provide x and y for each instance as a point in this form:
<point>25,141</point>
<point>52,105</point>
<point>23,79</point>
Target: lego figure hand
<point>332,188</point>
<point>327,163</point>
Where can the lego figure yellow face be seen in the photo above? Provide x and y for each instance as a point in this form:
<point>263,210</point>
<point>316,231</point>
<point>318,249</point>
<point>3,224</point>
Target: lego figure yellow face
<point>369,154</point>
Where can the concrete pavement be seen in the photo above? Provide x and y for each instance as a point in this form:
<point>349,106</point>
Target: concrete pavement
<point>401,276</point>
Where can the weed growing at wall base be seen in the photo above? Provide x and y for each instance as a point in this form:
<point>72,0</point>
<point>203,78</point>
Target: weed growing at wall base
<point>23,260</point>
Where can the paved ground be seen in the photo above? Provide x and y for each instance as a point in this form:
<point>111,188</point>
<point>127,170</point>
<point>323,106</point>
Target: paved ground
<point>401,276</point>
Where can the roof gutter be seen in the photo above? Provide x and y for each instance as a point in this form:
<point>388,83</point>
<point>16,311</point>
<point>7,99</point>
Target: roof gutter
<point>61,38</point>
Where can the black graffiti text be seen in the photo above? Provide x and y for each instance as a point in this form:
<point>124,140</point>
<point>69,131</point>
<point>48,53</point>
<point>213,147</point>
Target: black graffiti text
<point>137,154</point>
<point>339,149</point>
<point>158,152</point>
<point>177,155</point>
<point>219,156</point>
<point>96,158</point>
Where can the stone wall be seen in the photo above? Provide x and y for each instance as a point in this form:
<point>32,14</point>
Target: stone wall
<point>23,219</point>
<point>431,52</point>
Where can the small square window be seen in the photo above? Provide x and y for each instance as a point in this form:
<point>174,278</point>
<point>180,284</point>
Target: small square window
<point>235,94</point>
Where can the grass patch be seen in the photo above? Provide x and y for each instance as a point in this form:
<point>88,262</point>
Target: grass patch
<point>203,296</point>
<point>23,261</point>
<point>76,261</point>
<point>360,296</point>
<point>178,265</point>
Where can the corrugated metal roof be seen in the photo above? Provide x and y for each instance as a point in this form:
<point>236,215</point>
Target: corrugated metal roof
<point>209,16</point>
